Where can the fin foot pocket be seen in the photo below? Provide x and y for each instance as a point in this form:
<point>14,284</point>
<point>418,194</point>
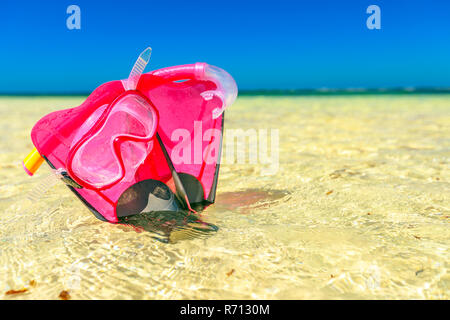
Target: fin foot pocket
<point>146,196</point>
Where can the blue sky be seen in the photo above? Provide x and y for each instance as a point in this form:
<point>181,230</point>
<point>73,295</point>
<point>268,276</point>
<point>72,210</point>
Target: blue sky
<point>264,45</point>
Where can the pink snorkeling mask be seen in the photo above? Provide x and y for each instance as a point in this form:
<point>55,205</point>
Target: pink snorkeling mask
<point>119,151</point>
<point>121,137</point>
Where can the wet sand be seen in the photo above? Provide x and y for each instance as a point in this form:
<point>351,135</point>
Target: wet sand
<point>359,209</point>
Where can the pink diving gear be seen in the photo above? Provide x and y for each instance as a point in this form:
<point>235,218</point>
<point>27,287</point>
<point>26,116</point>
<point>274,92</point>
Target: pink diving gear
<point>148,143</point>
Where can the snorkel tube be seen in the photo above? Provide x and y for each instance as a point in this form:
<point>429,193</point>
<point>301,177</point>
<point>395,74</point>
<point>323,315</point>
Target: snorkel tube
<point>226,91</point>
<point>226,86</point>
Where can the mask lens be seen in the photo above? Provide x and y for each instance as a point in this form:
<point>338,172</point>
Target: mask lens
<point>123,139</point>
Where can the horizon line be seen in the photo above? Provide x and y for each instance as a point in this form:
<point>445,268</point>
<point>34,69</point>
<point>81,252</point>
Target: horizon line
<point>311,91</point>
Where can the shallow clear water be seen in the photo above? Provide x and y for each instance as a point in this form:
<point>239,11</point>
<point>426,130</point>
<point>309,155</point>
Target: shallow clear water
<point>359,208</point>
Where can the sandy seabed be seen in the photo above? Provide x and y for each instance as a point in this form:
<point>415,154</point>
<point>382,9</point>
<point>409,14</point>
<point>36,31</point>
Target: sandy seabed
<point>358,209</point>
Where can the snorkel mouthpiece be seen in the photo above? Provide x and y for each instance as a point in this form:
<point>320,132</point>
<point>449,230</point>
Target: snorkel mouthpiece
<point>115,151</point>
<point>226,88</point>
